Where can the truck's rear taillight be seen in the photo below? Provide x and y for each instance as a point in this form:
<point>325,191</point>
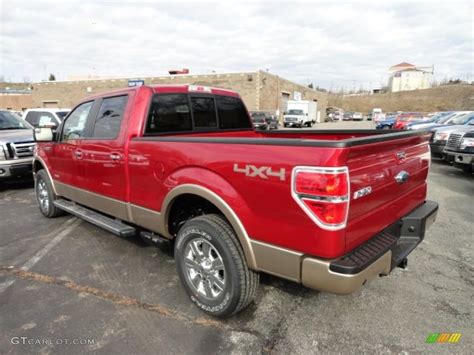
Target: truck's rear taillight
<point>323,194</point>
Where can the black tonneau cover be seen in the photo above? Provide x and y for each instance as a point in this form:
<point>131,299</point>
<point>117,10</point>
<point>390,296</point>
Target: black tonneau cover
<point>374,136</point>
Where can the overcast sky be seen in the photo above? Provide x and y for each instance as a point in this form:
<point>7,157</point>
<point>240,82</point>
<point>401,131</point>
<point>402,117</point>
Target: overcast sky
<point>329,44</point>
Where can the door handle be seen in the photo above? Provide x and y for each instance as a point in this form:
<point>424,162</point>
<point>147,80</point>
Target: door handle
<point>78,154</point>
<point>115,156</point>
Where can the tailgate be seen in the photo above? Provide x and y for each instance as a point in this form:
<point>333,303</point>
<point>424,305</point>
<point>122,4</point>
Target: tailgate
<point>388,180</point>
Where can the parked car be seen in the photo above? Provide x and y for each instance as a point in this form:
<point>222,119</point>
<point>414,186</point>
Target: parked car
<point>378,115</point>
<point>305,111</point>
<point>18,113</point>
<point>369,116</point>
<point>404,119</point>
<point>259,121</point>
<point>298,117</point>
<point>16,146</point>
<point>45,117</point>
<point>357,116</point>
<point>272,122</point>
<point>347,116</point>
<point>314,209</point>
<point>338,116</point>
<point>387,123</point>
<point>264,120</point>
<point>460,148</point>
<point>446,120</point>
<point>294,118</point>
<point>441,134</point>
<point>433,119</point>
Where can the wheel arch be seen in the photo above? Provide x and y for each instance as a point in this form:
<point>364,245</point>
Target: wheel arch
<point>221,205</point>
<point>39,164</point>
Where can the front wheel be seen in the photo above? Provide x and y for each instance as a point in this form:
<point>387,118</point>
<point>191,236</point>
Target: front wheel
<point>467,168</point>
<point>45,195</point>
<point>212,266</point>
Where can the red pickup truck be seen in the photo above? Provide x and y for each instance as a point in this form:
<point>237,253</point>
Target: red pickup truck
<point>326,208</point>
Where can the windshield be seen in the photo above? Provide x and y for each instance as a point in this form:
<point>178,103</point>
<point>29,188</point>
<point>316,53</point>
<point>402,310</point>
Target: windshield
<point>10,121</point>
<point>463,119</point>
<point>62,114</point>
<point>258,118</point>
<point>446,118</point>
<point>295,112</point>
<point>440,115</point>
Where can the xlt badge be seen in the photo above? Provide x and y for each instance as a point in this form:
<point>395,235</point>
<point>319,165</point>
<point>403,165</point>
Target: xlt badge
<point>362,192</point>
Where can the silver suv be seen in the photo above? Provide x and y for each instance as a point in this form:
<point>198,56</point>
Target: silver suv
<point>16,146</point>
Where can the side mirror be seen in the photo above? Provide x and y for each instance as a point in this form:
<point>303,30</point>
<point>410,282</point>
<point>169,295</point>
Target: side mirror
<point>51,125</point>
<point>43,135</point>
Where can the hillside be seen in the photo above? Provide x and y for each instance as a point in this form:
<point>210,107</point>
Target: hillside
<point>444,98</point>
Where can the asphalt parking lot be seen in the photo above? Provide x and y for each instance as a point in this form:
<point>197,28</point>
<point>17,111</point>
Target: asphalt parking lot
<point>65,280</point>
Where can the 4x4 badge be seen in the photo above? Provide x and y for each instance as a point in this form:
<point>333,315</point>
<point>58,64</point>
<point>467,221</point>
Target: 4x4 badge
<point>263,172</point>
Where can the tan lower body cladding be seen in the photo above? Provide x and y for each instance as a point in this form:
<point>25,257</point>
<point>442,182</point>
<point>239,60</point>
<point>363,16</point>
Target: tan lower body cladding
<point>291,265</point>
<point>141,216</point>
<point>312,272</point>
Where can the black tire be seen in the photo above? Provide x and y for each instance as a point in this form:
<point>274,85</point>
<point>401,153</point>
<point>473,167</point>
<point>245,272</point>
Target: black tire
<point>467,168</point>
<point>240,283</point>
<point>47,209</point>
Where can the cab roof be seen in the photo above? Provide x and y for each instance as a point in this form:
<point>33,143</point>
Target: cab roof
<point>169,88</point>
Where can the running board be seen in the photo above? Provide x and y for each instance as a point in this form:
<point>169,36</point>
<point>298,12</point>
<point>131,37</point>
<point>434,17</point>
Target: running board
<point>155,239</point>
<point>112,225</point>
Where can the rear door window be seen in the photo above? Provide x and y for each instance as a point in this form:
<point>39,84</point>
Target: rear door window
<point>169,113</point>
<point>232,113</point>
<point>110,116</point>
<point>204,112</point>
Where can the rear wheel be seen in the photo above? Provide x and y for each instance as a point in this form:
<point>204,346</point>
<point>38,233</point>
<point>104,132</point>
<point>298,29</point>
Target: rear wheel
<point>467,168</point>
<point>212,266</point>
<point>45,195</point>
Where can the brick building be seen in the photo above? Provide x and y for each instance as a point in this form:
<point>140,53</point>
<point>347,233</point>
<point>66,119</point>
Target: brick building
<point>261,91</point>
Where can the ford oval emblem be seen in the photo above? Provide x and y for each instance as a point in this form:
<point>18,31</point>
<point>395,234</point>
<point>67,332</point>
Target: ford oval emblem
<point>401,156</point>
<point>402,177</point>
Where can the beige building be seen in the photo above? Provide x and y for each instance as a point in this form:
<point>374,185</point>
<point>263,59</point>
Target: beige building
<point>16,100</point>
<point>261,91</point>
<point>406,76</point>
